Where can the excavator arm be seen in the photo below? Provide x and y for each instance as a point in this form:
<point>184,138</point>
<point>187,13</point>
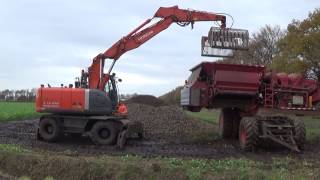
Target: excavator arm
<point>168,15</point>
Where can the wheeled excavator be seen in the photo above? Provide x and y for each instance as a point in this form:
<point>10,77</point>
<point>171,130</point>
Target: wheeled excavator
<point>92,106</point>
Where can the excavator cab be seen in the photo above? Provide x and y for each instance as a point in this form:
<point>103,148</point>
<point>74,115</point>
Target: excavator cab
<point>221,42</point>
<point>112,91</point>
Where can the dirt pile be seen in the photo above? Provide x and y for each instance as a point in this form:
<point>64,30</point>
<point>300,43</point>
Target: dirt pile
<point>162,121</point>
<point>146,99</point>
<point>168,123</point>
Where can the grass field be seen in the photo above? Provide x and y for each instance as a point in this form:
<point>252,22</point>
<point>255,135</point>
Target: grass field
<point>10,111</point>
<point>210,116</point>
<point>49,165</point>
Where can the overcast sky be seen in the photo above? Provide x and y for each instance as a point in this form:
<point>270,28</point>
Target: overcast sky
<point>44,41</point>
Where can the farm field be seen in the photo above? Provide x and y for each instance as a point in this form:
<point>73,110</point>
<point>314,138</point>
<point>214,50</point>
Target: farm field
<point>10,111</point>
<point>213,158</point>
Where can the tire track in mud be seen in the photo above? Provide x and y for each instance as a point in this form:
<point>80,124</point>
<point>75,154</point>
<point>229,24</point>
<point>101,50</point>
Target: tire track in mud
<point>23,133</point>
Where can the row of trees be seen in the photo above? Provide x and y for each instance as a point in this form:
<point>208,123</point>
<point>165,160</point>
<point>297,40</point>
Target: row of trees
<point>30,95</point>
<point>294,50</point>
<point>18,95</point>
<point>172,97</point>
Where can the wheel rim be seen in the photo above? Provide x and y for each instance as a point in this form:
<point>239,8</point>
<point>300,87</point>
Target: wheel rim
<point>49,129</point>
<point>243,136</point>
<point>104,133</point>
<point>221,122</point>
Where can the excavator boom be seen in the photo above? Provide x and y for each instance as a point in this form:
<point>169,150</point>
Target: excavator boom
<point>97,79</point>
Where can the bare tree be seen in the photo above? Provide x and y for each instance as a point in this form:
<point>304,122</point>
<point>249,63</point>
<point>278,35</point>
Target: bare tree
<point>263,47</point>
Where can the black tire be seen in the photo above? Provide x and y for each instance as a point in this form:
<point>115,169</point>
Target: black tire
<point>50,129</point>
<point>104,133</point>
<point>317,105</point>
<point>122,139</point>
<point>229,123</point>
<point>248,134</point>
<point>235,125</point>
<point>299,132</point>
<point>140,135</point>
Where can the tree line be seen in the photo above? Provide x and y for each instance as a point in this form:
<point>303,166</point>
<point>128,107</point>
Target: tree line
<point>23,95</point>
<point>29,95</point>
<point>294,50</point>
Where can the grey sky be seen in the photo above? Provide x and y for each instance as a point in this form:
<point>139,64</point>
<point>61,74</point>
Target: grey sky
<point>51,41</point>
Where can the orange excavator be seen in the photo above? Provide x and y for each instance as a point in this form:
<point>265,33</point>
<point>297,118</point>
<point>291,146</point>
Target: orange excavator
<point>92,106</point>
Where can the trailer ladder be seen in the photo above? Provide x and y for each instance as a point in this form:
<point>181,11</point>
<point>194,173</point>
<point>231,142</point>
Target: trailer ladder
<point>268,96</point>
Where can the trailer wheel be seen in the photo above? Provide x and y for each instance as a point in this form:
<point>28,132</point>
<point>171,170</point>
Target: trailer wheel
<point>248,133</point>
<point>50,129</point>
<point>235,125</point>
<point>299,133</point>
<point>104,133</point>
<point>225,123</point>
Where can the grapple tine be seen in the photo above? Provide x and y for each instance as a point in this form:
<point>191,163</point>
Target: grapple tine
<point>222,42</point>
<point>209,51</point>
<point>237,39</point>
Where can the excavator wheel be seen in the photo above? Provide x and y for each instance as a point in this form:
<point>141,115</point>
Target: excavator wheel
<point>104,133</point>
<point>248,133</point>
<point>49,129</point>
<point>299,132</point>
<point>228,123</point>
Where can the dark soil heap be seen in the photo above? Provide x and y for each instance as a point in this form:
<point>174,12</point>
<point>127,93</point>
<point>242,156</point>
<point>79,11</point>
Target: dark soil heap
<point>146,99</point>
<point>169,123</point>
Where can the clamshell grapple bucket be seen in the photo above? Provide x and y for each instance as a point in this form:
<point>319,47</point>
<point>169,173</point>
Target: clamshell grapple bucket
<point>221,42</point>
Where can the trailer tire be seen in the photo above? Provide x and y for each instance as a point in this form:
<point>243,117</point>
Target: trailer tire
<point>50,129</point>
<point>299,133</point>
<point>235,124</point>
<point>226,123</point>
<point>248,134</point>
<point>104,133</point>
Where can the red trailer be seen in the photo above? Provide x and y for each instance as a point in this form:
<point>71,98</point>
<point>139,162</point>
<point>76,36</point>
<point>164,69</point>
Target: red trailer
<point>256,105</point>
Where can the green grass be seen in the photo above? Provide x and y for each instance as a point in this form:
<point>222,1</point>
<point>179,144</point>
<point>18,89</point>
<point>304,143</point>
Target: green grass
<point>313,128</point>
<point>13,148</point>
<point>210,116</point>
<point>51,165</point>
<point>10,111</point>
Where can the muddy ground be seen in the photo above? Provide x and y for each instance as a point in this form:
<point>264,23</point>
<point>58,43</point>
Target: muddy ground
<point>168,132</point>
<point>23,133</point>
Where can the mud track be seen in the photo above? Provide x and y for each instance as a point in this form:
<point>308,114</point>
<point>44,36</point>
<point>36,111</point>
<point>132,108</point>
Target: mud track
<point>23,133</point>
